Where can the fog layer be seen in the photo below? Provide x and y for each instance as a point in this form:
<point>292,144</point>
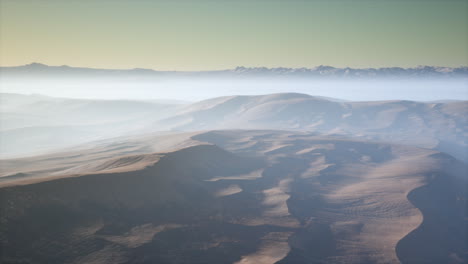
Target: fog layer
<point>428,89</point>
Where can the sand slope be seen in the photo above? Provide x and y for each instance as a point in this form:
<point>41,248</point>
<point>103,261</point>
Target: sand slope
<point>236,197</point>
<point>439,125</point>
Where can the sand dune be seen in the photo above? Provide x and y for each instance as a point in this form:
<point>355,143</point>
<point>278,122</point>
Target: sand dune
<point>235,197</point>
<point>438,125</point>
<point>32,125</point>
<point>111,155</point>
<point>232,189</point>
<point>274,248</point>
<point>357,191</point>
<point>250,176</point>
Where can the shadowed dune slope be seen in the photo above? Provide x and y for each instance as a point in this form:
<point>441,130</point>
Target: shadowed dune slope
<point>241,197</point>
<point>362,202</point>
<point>96,218</point>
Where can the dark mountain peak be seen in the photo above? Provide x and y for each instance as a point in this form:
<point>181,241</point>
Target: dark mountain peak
<point>325,68</point>
<point>35,65</point>
<point>316,72</point>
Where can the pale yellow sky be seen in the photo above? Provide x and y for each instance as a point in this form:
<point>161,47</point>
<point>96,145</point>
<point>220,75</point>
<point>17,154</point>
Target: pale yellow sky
<point>206,35</point>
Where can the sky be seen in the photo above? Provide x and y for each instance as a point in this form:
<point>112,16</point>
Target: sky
<point>210,35</point>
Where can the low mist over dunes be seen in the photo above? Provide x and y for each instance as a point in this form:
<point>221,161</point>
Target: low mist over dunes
<point>42,70</point>
<point>236,197</point>
<point>30,124</point>
<point>52,111</point>
<point>425,83</point>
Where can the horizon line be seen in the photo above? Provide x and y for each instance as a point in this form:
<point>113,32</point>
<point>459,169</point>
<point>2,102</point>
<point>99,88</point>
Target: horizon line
<point>237,67</point>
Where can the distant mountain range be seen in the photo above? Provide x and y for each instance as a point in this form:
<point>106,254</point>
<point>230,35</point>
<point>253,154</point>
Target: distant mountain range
<point>38,70</point>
